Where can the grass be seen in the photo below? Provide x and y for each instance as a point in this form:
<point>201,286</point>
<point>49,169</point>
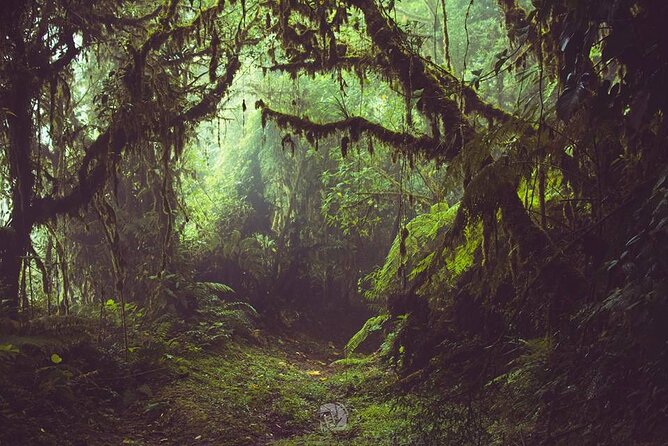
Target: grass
<point>269,395</point>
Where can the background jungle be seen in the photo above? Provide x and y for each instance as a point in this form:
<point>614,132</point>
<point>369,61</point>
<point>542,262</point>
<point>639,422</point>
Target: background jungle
<point>449,215</point>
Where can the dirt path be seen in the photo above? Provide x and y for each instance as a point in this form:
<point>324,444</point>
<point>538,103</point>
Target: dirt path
<point>239,395</point>
<point>266,393</point>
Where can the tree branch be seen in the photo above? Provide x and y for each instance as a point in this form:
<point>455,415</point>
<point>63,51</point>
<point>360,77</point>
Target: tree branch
<point>405,143</point>
<point>110,144</point>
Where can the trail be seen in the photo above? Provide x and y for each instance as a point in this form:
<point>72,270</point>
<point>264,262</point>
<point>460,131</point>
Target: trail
<point>266,393</point>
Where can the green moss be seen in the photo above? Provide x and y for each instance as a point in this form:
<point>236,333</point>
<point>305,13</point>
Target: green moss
<point>461,259</point>
<point>241,396</point>
<point>354,361</point>
<point>372,325</point>
<point>248,395</point>
<point>423,231</point>
<point>359,384</point>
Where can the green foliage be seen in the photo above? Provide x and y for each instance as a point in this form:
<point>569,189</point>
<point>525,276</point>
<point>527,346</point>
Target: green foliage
<point>212,317</point>
<point>178,295</point>
<point>8,349</point>
<point>48,334</point>
<point>518,387</point>
<point>276,396</point>
<point>461,258</point>
<point>220,321</point>
<point>43,365</point>
<point>419,245</point>
<point>256,254</point>
<point>372,325</point>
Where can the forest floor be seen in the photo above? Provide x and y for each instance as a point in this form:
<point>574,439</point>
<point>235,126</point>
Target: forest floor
<point>261,393</point>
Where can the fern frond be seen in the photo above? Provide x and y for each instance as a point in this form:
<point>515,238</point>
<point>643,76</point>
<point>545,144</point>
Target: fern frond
<point>41,343</point>
<point>215,287</point>
<point>423,231</point>
<point>242,306</point>
<point>372,325</point>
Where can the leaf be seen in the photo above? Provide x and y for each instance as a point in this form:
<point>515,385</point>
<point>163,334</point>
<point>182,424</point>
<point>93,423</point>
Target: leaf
<point>8,348</point>
<point>56,359</point>
<point>314,373</point>
<point>110,305</point>
<point>216,287</point>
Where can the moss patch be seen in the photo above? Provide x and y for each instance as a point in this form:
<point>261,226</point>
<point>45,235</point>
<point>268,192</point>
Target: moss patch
<point>253,395</point>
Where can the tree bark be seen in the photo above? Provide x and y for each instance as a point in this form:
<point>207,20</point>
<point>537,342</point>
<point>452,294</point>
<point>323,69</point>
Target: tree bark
<point>15,238</point>
<point>10,265</point>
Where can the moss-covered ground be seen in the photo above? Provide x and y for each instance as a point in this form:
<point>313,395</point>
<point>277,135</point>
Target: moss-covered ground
<point>263,393</point>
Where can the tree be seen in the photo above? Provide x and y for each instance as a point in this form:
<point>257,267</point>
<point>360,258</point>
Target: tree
<point>155,91</point>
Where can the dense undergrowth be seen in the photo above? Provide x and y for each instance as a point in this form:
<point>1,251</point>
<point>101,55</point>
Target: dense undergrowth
<point>218,383</point>
<point>63,378</point>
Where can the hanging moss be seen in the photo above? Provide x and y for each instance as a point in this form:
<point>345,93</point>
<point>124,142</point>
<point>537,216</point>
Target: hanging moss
<point>404,143</point>
<point>345,141</point>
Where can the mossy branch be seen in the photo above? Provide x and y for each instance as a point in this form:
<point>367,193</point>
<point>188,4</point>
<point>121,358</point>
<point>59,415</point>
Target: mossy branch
<point>404,143</point>
<point>110,144</point>
<point>441,88</point>
<point>352,63</point>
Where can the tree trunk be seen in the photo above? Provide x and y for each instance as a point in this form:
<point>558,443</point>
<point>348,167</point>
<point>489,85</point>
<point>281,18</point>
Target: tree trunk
<point>15,238</point>
<point>13,246</point>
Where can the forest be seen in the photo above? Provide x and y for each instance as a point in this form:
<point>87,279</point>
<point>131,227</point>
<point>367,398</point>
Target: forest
<point>333,222</point>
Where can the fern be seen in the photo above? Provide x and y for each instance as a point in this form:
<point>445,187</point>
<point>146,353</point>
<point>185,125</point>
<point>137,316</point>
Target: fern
<point>238,316</point>
<point>423,231</point>
<point>182,296</point>
<point>213,288</point>
<point>221,320</point>
<point>50,332</point>
<point>244,307</point>
<point>41,343</point>
<point>420,245</point>
<point>461,258</point>
<point>372,325</point>
<point>8,353</point>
